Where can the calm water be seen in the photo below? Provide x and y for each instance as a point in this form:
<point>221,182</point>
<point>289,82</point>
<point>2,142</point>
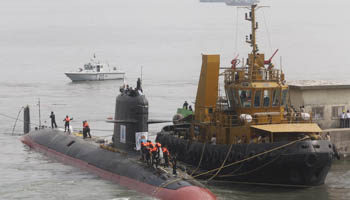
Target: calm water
<point>41,39</point>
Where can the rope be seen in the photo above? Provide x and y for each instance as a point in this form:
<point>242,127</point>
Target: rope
<point>14,126</point>
<point>200,161</point>
<point>240,161</point>
<point>164,185</point>
<point>222,165</point>
<point>10,117</point>
<point>253,170</point>
<point>264,184</point>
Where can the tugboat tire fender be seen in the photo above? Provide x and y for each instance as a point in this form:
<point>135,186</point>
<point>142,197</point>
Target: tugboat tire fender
<point>215,157</point>
<point>311,159</point>
<point>250,154</point>
<point>239,156</point>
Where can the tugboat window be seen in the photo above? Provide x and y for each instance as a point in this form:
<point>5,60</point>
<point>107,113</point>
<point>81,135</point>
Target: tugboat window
<point>284,97</point>
<point>245,97</point>
<point>257,98</point>
<point>317,112</point>
<point>266,98</point>
<point>276,97</point>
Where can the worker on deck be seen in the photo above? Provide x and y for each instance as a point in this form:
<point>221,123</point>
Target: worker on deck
<point>138,85</point>
<point>86,130</point>
<point>159,148</point>
<point>174,163</point>
<point>53,120</point>
<point>190,108</point>
<point>154,154</point>
<point>185,106</point>
<point>143,143</point>
<point>66,123</point>
<point>165,156</point>
<point>149,146</point>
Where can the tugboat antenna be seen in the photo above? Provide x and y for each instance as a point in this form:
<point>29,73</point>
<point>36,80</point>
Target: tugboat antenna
<point>39,114</point>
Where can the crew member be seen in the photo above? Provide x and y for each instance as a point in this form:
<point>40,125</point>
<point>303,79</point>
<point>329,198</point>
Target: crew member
<point>86,130</point>
<point>154,156</point>
<point>173,162</point>
<point>159,148</point>
<point>138,85</point>
<point>166,156</point>
<point>143,143</point>
<point>149,146</point>
<point>53,120</point>
<point>190,108</point>
<point>185,106</point>
<point>66,124</point>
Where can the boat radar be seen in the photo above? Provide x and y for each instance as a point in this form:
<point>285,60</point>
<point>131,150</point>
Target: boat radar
<point>118,161</point>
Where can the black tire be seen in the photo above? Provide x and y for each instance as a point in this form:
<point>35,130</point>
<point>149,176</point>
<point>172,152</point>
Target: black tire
<point>311,159</point>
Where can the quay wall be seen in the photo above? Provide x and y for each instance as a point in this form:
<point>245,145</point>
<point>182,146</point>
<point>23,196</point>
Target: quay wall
<point>341,138</point>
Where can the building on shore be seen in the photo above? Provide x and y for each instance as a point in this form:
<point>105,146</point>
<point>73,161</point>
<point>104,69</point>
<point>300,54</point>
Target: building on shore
<point>326,100</point>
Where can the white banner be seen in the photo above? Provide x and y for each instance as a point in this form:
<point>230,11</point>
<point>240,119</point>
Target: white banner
<point>122,133</point>
<point>138,136</point>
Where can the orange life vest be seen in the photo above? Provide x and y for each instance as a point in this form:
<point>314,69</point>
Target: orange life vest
<point>165,150</point>
<point>158,144</point>
<point>67,119</point>
<point>86,125</point>
<point>153,149</point>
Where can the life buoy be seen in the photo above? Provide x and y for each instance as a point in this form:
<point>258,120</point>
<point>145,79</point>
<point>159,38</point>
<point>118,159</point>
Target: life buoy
<point>311,159</point>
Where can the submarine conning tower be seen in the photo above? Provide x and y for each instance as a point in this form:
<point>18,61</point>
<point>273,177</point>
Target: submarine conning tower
<point>131,117</point>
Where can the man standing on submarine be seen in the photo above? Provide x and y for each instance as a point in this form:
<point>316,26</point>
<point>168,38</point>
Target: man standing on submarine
<point>66,123</point>
<point>53,120</point>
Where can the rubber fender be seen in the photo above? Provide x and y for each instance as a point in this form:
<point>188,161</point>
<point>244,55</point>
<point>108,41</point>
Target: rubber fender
<point>250,154</point>
<point>239,156</point>
<point>311,159</point>
<point>222,155</point>
<point>215,157</point>
<point>294,176</point>
<point>263,156</point>
<point>231,157</point>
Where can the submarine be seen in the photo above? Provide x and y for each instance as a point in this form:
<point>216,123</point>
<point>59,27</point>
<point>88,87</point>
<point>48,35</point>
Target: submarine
<point>119,161</point>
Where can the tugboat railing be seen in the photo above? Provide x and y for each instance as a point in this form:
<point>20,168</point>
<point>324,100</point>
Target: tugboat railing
<point>242,74</point>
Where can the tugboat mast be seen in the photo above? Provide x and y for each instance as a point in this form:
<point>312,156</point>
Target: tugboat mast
<point>252,40</point>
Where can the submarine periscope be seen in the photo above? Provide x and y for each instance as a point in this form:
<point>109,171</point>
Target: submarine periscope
<point>118,162</point>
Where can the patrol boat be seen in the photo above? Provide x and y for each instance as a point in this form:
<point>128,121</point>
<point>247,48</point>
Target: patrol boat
<point>95,71</point>
<point>251,134</point>
<point>118,162</point>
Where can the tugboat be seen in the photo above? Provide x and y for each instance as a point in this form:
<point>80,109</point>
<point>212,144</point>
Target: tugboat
<point>118,161</point>
<point>95,71</point>
<point>251,134</point>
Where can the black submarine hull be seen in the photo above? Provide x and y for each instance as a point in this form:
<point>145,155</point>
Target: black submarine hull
<point>300,164</point>
<point>124,169</point>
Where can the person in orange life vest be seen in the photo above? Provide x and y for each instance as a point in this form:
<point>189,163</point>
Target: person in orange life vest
<point>159,148</point>
<point>165,156</point>
<point>66,124</point>
<point>143,142</point>
<point>154,156</point>
<point>149,146</point>
<point>86,130</point>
